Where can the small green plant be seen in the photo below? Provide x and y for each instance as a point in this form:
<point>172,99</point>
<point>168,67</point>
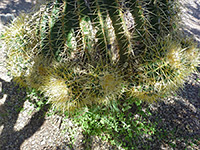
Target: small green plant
<point>36,98</point>
<point>121,124</point>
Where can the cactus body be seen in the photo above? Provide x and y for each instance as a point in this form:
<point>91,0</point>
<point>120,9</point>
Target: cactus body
<point>84,52</point>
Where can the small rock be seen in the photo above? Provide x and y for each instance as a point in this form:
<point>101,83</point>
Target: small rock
<point>42,142</point>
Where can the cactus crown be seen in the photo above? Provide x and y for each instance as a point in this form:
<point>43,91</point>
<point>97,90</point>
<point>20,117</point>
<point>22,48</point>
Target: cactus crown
<point>81,52</point>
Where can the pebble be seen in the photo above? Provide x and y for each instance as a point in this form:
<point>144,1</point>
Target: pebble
<point>43,142</point>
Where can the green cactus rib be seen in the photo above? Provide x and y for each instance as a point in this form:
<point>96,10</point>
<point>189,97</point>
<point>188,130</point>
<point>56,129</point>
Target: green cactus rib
<point>58,30</point>
<point>85,39</point>
<point>161,16</point>
<point>69,26</point>
<point>55,24</point>
<point>98,17</point>
<point>44,33</point>
<point>123,33</point>
<point>55,29</point>
<point>120,29</point>
<point>142,24</point>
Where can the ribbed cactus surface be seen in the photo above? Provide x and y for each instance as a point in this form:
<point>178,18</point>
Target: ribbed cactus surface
<point>84,52</point>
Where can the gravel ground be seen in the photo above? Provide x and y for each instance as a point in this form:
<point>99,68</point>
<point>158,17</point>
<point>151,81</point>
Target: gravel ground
<point>29,129</point>
<point>191,18</point>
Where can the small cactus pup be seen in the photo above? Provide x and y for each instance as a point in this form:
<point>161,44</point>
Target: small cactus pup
<point>165,70</point>
<point>70,87</point>
<point>21,44</point>
<point>85,52</point>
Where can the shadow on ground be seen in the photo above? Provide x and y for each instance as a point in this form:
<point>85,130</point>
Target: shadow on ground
<point>178,123</point>
<point>9,112</point>
<point>15,7</point>
<point>194,11</point>
<point>193,16</point>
